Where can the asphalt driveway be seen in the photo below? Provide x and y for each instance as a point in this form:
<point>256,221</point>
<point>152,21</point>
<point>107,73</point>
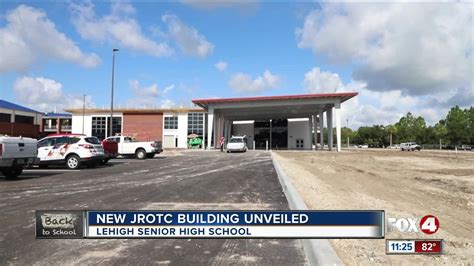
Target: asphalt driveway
<point>193,180</point>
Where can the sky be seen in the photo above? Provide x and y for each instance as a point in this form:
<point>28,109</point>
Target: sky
<point>399,57</point>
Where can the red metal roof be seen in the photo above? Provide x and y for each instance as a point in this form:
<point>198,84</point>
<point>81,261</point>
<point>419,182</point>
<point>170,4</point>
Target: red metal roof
<point>343,95</point>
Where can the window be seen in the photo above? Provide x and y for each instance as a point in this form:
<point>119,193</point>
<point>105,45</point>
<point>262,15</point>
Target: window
<point>24,119</point>
<point>99,124</point>
<point>195,123</point>
<point>61,140</point>
<point>74,140</point>
<point>46,142</point>
<point>5,117</point>
<point>171,122</point>
<point>92,140</point>
<point>116,139</point>
<point>116,126</point>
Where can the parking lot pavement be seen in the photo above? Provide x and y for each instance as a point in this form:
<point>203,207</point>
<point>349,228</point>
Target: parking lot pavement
<point>193,180</point>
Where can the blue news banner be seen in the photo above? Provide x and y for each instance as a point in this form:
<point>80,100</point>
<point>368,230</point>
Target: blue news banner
<point>210,224</point>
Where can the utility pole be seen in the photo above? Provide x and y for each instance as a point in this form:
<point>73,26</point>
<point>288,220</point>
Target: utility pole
<point>83,111</point>
<point>112,93</point>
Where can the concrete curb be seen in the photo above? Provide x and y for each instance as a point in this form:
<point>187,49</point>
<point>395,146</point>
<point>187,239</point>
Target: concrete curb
<point>318,251</point>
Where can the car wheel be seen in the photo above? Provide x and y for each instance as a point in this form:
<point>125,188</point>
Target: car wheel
<point>73,162</point>
<point>140,154</point>
<point>12,173</point>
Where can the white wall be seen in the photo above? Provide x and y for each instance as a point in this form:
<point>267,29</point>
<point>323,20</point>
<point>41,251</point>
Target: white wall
<point>299,130</point>
<point>244,129</point>
<point>77,122</point>
<point>182,132</point>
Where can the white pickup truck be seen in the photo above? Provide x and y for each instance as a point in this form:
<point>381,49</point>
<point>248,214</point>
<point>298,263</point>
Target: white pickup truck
<point>15,154</point>
<point>141,150</point>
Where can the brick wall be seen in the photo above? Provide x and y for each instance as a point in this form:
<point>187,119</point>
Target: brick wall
<point>144,126</point>
<point>19,129</point>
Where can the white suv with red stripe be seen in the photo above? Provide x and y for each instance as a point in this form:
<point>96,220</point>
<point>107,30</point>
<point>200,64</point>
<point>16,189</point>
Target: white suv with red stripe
<point>72,150</point>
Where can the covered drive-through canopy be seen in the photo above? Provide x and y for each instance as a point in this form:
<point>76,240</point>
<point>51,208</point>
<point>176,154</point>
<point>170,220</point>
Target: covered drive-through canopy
<point>223,111</point>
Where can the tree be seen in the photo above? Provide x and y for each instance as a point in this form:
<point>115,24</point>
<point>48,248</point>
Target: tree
<point>440,131</point>
<point>457,125</point>
<point>411,128</point>
<point>470,124</point>
<point>391,130</point>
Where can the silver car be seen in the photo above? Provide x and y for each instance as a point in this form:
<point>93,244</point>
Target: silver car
<point>237,143</point>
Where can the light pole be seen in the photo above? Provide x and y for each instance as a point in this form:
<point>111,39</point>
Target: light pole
<point>83,112</point>
<point>112,93</point>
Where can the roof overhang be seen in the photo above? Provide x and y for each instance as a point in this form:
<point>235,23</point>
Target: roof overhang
<point>274,107</point>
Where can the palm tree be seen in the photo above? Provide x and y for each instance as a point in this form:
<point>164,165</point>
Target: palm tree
<point>391,129</point>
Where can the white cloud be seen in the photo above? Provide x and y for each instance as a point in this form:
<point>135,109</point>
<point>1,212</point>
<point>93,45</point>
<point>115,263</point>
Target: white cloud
<point>167,103</point>
<point>46,95</point>
<point>188,39</point>
<point>317,81</point>
<point>168,89</point>
<point>221,65</point>
<point>244,83</point>
<point>119,27</point>
<point>417,48</point>
<point>371,107</point>
<point>149,96</point>
<point>29,37</point>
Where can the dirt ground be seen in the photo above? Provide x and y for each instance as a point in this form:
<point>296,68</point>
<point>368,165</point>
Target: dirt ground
<point>404,184</point>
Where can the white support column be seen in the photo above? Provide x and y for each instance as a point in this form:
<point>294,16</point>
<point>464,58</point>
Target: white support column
<point>337,113</point>
<point>316,126</point>
<point>330,128</point>
<point>229,129</point>
<point>203,131</point>
<point>321,129</point>
<point>210,126</point>
<point>221,129</point>
<point>226,130</point>
<point>216,130</point>
<point>310,122</point>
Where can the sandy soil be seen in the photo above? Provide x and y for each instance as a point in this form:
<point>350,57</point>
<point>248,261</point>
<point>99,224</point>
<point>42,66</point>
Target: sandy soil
<point>404,184</point>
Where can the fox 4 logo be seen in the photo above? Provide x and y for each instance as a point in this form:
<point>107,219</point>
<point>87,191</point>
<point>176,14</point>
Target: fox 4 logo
<point>429,224</point>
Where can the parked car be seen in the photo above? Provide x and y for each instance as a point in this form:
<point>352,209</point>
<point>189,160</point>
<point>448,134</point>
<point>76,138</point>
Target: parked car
<point>72,150</point>
<point>110,149</point>
<point>141,150</point>
<point>237,143</point>
<point>465,147</point>
<point>410,146</point>
<point>15,154</point>
<point>363,146</point>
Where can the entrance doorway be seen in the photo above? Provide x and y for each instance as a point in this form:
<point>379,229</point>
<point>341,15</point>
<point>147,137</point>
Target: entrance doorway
<point>278,139</point>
